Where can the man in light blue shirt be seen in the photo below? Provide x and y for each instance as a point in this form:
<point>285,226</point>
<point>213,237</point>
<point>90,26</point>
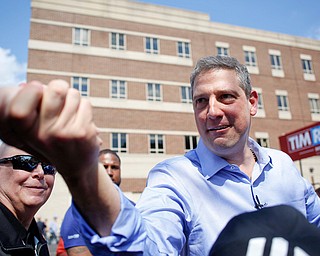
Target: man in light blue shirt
<point>189,199</point>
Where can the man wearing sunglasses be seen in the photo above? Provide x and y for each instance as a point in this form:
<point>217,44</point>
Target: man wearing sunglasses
<point>25,185</point>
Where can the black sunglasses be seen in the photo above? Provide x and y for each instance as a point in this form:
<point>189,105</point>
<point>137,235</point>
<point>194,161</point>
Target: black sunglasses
<point>28,163</point>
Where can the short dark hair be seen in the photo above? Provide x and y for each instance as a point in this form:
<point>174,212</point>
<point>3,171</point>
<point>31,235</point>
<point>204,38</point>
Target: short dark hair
<point>109,151</point>
<point>222,62</point>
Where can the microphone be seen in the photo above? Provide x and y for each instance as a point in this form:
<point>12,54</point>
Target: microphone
<point>257,203</point>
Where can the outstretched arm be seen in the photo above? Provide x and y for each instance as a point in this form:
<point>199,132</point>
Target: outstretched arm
<point>55,123</point>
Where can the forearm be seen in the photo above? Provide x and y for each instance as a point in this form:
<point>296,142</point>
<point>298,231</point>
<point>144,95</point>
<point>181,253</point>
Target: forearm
<point>96,198</point>
<point>79,251</point>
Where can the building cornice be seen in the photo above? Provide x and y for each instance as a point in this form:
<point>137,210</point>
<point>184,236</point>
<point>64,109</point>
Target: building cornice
<point>127,10</point>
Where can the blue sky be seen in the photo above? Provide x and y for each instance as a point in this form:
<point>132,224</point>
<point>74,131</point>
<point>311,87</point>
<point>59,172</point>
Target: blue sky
<point>293,17</point>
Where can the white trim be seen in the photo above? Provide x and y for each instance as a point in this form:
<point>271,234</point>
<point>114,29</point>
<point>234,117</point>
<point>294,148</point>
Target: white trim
<point>109,30</point>
<point>141,105</point>
<point>313,95</point>
<point>262,135</point>
<point>249,48</point>
<point>305,57</point>
<point>107,52</point>
<point>222,44</point>
<point>277,72</point>
<point>309,77</point>
<point>106,77</point>
<point>170,17</point>
<point>147,132</point>
<point>282,92</point>
<point>253,70</point>
<point>284,114</point>
<point>274,52</point>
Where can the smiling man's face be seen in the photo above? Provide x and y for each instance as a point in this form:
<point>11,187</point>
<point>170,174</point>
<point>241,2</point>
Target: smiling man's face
<point>20,189</point>
<point>222,111</point>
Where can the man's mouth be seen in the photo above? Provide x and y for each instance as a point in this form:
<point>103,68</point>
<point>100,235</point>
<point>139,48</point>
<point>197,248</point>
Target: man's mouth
<point>218,128</point>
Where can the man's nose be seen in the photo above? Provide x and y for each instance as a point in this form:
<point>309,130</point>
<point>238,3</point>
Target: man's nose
<point>214,108</point>
<point>38,171</point>
<point>109,170</point>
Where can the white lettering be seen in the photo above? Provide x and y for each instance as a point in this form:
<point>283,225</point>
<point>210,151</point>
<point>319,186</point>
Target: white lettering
<point>301,140</point>
<point>279,247</point>
<point>74,236</point>
<point>256,246</point>
<point>315,136</point>
<point>305,140</point>
<point>293,141</point>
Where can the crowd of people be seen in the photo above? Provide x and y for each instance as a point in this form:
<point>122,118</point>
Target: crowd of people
<point>188,201</point>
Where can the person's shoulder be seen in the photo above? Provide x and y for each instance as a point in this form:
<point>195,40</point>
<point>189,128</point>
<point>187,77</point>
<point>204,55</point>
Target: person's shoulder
<point>277,154</point>
<point>68,223</point>
<point>175,162</point>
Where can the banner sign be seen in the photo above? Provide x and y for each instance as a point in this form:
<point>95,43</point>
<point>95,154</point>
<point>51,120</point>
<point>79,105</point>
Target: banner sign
<point>302,143</point>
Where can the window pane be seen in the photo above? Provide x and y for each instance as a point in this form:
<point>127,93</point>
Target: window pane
<point>123,141</point>
<point>155,44</point>
<point>115,140</point>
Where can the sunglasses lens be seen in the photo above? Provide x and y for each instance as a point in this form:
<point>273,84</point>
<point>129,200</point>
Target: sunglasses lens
<point>26,163</point>
<point>29,163</point>
<point>49,169</point>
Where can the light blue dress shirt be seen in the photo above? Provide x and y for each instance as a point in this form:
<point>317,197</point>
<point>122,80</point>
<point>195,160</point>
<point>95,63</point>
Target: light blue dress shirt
<point>189,200</point>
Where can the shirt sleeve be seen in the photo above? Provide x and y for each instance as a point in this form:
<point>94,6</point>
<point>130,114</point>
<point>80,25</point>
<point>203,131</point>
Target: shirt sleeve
<point>312,205</point>
<point>154,227</point>
<point>70,231</point>
<point>127,233</point>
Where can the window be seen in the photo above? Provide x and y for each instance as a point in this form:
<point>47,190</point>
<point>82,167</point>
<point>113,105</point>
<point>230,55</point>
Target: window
<point>118,89</point>
<point>154,92</point>
<point>308,73</point>
<point>156,144</point>
<point>152,45</point>
<point>81,84</point>
<point>262,139</point>
<point>314,106</point>
<point>186,96</point>
<point>263,142</point>
<point>282,103</point>
<point>222,48</point>
<point>260,108</point>
<point>119,142</point>
<point>260,100</point>
<point>250,58</point>
<point>191,142</point>
<point>81,36</point>
<point>184,49</point>
<point>222,51</point>
<point>275,62</point>
<point>307,66</point>
<point>117,41</point>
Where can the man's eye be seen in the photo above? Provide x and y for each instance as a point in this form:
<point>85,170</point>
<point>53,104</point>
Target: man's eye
<point>201,102</point>
<point>227,97</point>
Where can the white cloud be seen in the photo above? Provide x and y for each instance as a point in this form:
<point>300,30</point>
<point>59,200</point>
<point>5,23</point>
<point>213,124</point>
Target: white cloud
<point>11,71</point>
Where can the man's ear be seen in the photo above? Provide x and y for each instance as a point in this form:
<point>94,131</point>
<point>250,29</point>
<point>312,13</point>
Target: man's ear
<point>253,100</point>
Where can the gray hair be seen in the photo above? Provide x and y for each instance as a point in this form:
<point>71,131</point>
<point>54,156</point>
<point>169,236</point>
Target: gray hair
<point>222,62</point>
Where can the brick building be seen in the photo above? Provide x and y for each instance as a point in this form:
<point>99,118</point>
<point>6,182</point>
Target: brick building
<point>133,61</point>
